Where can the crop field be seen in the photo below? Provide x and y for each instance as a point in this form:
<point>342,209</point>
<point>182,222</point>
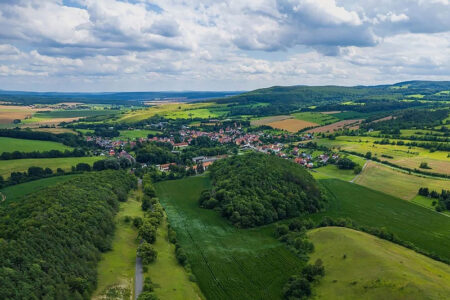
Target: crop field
<point>229,263</point>
<point>396,183</point>
<point>172,111</point>
<point>15,192</point>
<point>268,120</point>
<point>170,278</point>
<point>9,113</point>
<point>425,228</point>
<point>116,268</point>
<point>374,268</point>
<point>336,126</point>
<point>292,125</point>
<point>315,117</point>
<point>20,165</point>
<point>11,144</point>
<point>55,130</point>
<point>405,156</point>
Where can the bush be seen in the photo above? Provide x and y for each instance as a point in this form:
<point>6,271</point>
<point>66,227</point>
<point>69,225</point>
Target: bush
<point>147,253</point>
<point>147,232</point>
<point>181,256</point>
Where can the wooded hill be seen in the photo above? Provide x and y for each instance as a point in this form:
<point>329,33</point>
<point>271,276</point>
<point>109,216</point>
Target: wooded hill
<point>50,241</point>
<point>256,189</point>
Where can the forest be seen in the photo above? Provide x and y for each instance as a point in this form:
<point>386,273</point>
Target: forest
<point>257,189</point>
<point>51,243</point>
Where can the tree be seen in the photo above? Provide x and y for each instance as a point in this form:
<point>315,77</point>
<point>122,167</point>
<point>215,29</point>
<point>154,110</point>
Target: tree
<point>147,232</point>
<point>181,256</point>
<point>147,296</point>
<point>147,253</point>
<point>36,172</point>
<point>82,167</point>
<point>124,162</point>
<point>424,165</point>
<point>297,288</point>
<point>2,181</point>
<point>99,165</point>
<point>146,203</point>
<point>200,168</point>
<point>368,155</point>
<point>357,169</point>
<point>112,164</point>
<point>346,164</point>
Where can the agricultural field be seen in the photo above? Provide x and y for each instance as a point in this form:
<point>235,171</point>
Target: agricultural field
<point>315,117</point>
<point>170,278</point>
<point>337,126</point>
<point>65,163</point>
<point>9,113</point>
<point>172,111</point>
<point>374,268</point>
<point>55,130</point>
<point>228,263</point>
<point>12,144</point>
<point>268,120</point>
<point>397,183</point>
<point>136,133</point>
<point>404,156</point>
<point>117,267</point>
<point>292,125</point>
<point>425,228</point>
<point>16,192</point>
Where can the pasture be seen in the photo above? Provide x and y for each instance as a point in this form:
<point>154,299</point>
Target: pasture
<point>425,228</point>
<point>15,192</point>
<point>315,117</point>
<point>20,165</point>
<point>292,125</point>
<point>397,183</point>
<point>12,144</point>
<point>374,268</point>
<point>136,133</point>
<point>332,171</point>
<point>116,267</point>
<point>228,263</point>
<point>170,278</point>
<point>405,156</point>
<point>352,124</point>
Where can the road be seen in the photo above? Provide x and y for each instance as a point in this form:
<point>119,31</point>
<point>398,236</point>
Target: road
<point>362,169</point>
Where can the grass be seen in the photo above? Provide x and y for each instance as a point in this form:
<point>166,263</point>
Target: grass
<point>315,117</point>
<point>229,263</point>
<point>170,278</point>
<point>11,144</point>
<point>15,192</point>
<point>55,114</point>
<point>396,183</point>
<point>20,165</point>
<point>424,228</point>
<point>405,156</point>
<point>374,268</point>
<point>332,171</point>
<point>136,133</point>
<point>174,111</point>
<point>116,268</point>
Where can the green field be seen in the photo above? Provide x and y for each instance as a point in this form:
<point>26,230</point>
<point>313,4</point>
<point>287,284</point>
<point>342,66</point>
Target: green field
<point>136,133</point>
<point>397,183</point>
<point>170,278</point>
<point>20,165</point>
<point>11,144</point>
<point>404,156</point>
<point>374,268</point>
<point>424,228</point>
<point>55,114</point>
<point>229,263</point>
<point>315,117</point>
<point>15,192</point>
<point>332,171</point>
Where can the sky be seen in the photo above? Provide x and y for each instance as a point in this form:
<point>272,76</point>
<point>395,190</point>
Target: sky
<point>142,45</point>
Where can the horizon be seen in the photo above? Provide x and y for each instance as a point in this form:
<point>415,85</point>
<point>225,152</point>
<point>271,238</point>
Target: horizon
<point>142,46</point>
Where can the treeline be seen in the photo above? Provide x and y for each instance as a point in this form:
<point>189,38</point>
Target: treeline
<point>257,189</point>
<point>432,146</point>
<point>43,154</point>
<point>68,139</point>
<point>51,243</point>
<point>443,198</point>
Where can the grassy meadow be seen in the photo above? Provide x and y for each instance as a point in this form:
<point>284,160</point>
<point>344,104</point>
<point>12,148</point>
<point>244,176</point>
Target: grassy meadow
<point>136,133</point>
<point>374,268</point>
<point>228,263</point>
<point>397,183</point>
<point>20,165</point>
<point>169,277</point>
<point>425,228</point>
<point>116,268</point>
<point>12,144</point>
<point>315,117</point>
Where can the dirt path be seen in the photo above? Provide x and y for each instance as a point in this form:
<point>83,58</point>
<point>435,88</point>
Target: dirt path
<point>354,178</point>
<point>2,197</point>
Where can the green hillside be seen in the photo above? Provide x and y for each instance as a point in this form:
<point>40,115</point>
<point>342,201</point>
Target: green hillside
<point>361,266</point>
<point>11,144</point>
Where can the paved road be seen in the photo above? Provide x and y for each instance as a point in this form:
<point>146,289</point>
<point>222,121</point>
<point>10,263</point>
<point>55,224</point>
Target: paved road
<point>138,278</point>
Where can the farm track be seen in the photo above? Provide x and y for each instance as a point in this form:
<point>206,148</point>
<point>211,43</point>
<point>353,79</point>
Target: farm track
<point>362,170</point>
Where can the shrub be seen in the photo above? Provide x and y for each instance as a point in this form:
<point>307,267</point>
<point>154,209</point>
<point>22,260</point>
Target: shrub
<point>147,253</point>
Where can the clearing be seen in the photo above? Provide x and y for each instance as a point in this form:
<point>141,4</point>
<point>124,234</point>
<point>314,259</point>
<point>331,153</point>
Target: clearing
<point>374,268</point>
<point>116,268</point>
<point>228,263</point>
<point>65,163</point>
<point>12,144</point>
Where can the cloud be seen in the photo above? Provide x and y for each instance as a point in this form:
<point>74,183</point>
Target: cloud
<point>208,44</point>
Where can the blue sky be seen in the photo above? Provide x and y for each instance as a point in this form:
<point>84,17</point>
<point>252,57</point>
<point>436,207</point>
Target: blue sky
<point>140,45</point>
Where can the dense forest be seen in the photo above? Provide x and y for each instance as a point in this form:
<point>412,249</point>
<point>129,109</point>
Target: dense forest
<point>257,189</point>
<point>51,242</point>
